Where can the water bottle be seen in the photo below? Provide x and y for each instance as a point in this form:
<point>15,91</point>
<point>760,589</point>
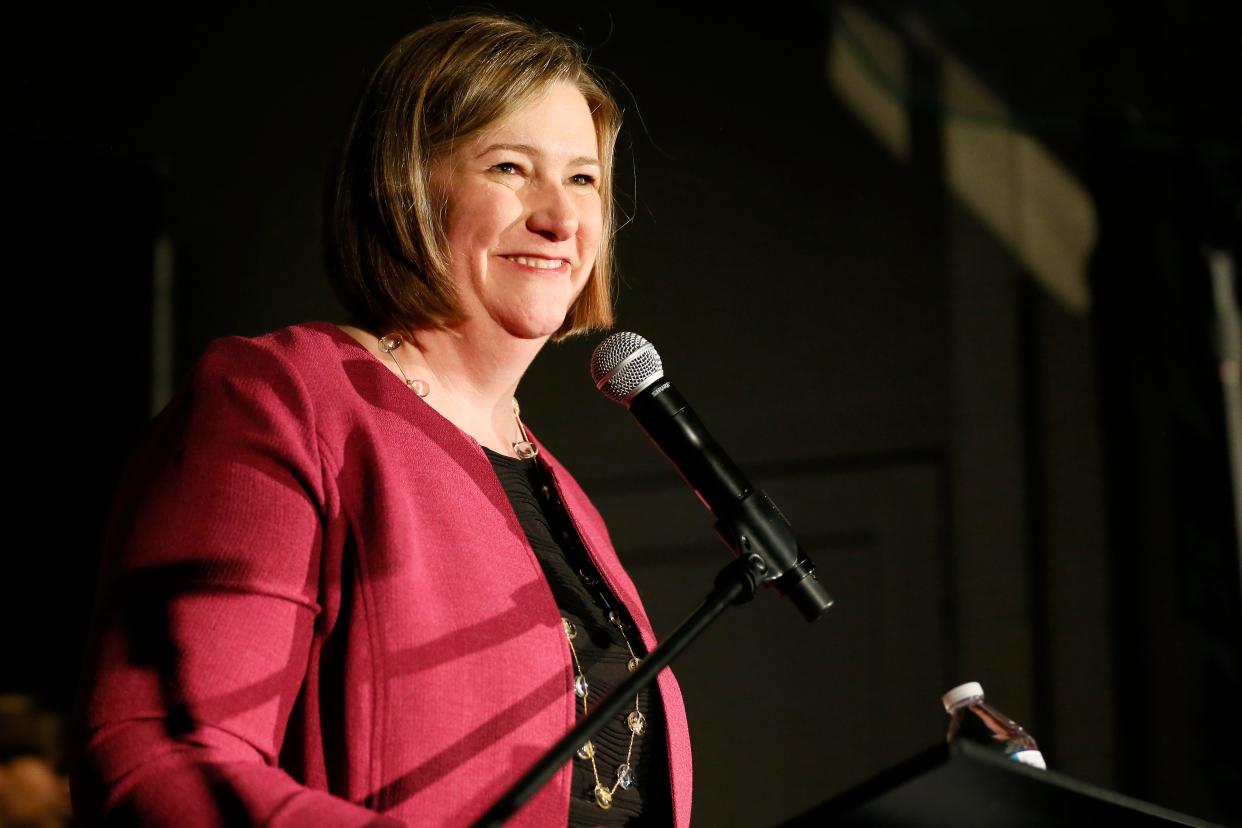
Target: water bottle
<point>974,720</point>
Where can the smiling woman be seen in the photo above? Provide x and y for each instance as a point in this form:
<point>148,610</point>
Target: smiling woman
<point>438,88</point>
<point>342,584</point>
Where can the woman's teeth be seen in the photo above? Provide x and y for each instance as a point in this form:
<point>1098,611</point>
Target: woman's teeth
<point>541,264</point>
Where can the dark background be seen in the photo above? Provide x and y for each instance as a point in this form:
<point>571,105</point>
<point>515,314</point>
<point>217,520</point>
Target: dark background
<point>1006,470</point>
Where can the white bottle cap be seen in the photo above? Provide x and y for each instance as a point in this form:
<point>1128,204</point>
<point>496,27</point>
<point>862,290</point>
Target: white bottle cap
<point>963,692</point>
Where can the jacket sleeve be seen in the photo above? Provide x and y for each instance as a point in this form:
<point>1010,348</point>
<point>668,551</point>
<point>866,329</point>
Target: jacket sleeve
<point>206,609</point>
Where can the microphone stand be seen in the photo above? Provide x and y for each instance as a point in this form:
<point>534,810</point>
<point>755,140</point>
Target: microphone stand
<point>735,584</point>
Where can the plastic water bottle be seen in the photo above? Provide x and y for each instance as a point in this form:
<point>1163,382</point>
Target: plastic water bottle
<point>974,720</point>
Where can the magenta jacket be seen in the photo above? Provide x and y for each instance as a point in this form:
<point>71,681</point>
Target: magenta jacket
<point>318,608</point>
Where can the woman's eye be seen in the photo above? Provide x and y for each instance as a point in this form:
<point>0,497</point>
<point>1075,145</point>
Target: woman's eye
<point>507,167</point>
<point>583,178</point>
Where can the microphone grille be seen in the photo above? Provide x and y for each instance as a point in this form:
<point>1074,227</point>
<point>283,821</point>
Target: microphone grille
<point>624,364</point>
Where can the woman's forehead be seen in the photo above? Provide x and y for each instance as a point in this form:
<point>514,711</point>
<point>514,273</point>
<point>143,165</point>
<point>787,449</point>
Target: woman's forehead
<point>556,125</point>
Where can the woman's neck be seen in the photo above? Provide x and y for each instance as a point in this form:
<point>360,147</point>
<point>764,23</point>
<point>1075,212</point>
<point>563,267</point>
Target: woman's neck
<point>472,377</point>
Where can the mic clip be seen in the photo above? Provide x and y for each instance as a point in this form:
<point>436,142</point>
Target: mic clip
<point>763,541</point>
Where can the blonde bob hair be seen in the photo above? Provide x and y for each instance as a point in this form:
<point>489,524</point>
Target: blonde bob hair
<point>386,252</point>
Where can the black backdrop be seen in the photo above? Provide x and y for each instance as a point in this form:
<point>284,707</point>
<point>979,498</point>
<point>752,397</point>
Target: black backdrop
<point>999,486</point>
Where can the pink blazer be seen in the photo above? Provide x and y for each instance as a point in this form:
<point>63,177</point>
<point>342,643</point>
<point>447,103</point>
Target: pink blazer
<point>318,608</point>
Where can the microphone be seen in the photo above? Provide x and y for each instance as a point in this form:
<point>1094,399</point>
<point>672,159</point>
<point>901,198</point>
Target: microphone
<point>628,370</point>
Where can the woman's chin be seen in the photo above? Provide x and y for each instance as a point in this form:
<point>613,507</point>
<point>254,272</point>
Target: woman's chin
<point>530,326</point>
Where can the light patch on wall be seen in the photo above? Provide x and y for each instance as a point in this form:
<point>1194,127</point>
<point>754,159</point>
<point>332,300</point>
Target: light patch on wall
<point>1027,198</point>
<point>857,40</point>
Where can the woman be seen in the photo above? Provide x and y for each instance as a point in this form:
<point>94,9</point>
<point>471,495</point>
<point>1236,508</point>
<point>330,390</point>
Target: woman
<point>342,584</point>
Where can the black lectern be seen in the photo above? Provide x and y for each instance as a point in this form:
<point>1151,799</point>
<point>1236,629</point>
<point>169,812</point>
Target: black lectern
<point>966,786</point>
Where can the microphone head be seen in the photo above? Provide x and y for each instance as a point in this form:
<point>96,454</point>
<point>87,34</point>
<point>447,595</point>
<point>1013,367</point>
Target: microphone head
<point>623,365</point>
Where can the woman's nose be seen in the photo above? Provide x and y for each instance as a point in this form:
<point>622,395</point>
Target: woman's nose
<point>553,214</point>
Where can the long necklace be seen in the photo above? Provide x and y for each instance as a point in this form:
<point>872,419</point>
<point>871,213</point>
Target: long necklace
<point>635,722</point>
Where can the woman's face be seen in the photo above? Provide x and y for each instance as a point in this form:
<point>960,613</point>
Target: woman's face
<point>523,214</point>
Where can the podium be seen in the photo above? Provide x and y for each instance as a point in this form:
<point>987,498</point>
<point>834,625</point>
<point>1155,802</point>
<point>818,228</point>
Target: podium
<point>967,786</point>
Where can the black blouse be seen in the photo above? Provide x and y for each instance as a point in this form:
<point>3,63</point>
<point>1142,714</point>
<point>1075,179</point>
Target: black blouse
<point>586,603</point>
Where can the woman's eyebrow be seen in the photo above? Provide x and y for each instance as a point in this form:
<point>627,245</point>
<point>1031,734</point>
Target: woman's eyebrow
<point>527,149</point>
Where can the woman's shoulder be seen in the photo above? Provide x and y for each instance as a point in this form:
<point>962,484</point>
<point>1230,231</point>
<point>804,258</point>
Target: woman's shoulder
<point>312,354</point>
<point>321,375</point>
<point>302,345</point>
<point>301,371</point>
